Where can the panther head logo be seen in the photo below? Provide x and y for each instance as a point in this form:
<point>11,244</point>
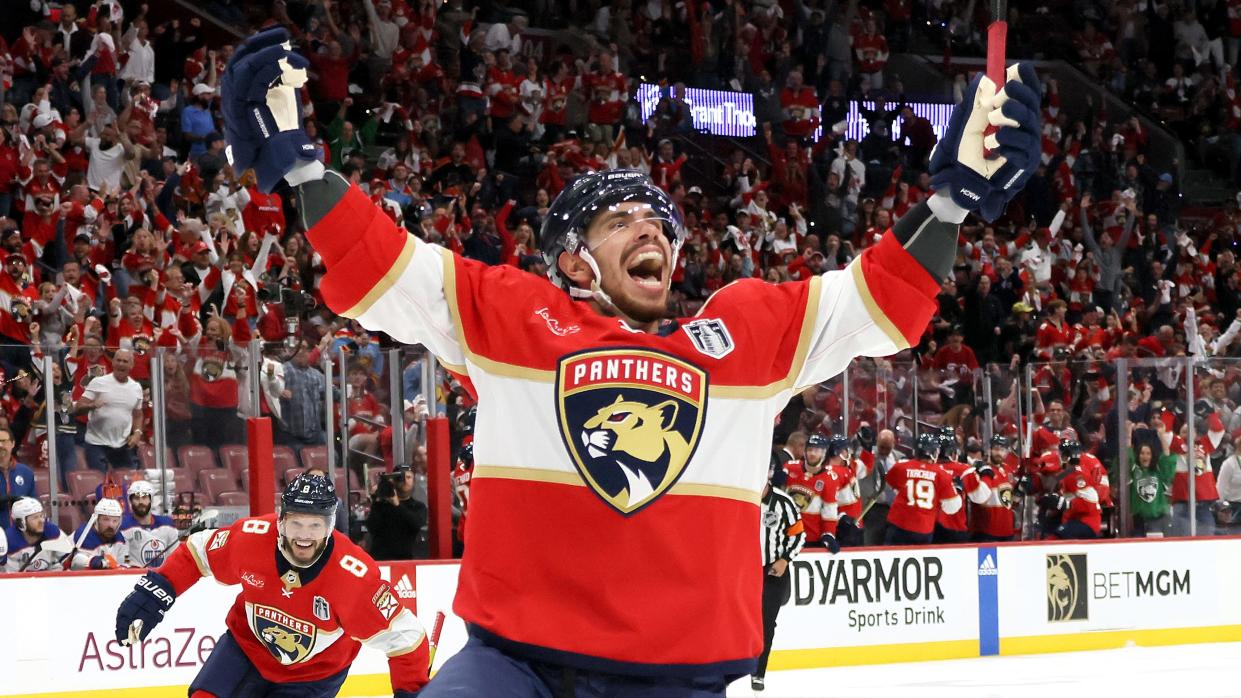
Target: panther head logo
<point>630,420</point>
<point>290,640</point>
<point>638,438</point>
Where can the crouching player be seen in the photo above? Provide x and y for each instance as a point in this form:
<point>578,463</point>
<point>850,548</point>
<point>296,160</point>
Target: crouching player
<point>309,598</point>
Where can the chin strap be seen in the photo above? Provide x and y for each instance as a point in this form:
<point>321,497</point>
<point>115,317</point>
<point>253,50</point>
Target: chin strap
<point>596,292</point>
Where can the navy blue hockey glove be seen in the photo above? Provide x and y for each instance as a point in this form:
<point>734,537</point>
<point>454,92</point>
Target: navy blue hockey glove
<point>982,183</point>
<point>263,111</point>
<point>830,541</point>
<point>144,608</point>
<point>984,469</point>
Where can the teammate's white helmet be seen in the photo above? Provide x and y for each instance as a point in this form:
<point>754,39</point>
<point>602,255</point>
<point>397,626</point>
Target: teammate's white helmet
<point>140,488</point>
<point>109,507</point>
<point>24,507</point>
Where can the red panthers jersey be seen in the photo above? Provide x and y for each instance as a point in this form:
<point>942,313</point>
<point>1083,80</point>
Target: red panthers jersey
<point>815,494</point>
<point>973,488</point>
<point>1083,498</point>
<point>994,515</point>
<point>922,490</point>
<point>303,625</point>
<point>597,445</point>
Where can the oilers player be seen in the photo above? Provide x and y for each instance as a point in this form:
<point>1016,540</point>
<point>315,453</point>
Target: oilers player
<point>309,598</point>
<point>102,546</point>
<point>609,430</point>
<point>151,536</point>
<point>32,543</point>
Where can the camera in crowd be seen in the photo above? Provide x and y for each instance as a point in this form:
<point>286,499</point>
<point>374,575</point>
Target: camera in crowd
<point>287,292</point>
<point>388,483</point>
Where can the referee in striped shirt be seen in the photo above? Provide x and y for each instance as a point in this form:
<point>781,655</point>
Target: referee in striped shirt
<point>783,536</point>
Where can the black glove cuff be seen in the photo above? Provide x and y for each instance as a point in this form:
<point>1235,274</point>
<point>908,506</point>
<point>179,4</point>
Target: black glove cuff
<point>928,239</point>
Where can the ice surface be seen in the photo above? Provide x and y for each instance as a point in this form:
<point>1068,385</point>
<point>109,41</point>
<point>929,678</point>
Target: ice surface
<point>1183,671</point>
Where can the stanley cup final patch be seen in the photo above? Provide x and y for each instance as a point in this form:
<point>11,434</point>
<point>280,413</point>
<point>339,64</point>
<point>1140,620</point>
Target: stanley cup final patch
<point>630,420</point>
<point>710,337</point>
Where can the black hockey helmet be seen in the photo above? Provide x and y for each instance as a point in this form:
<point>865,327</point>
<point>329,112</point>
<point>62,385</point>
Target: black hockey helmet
<point>948,445</point>
<point>999,440</point>
<point>927,445</point>
<point>838,447</point>
<point>819,441</point>
<point>309,494</point>
<point>1070,449</point>
<point>586,196</point>
<point>465,455</point>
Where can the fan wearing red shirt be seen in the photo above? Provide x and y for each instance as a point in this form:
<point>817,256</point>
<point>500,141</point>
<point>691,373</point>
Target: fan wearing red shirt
<point>503,87</point>
<point>264,212</point>
<point>608,90</point>
<point>922,490</point>
<point>954,357</point>
<point>800,106</point>
<point>871,49</point>
<point>1055,331</point>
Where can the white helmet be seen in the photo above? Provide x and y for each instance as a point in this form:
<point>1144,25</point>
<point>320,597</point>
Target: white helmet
<point>140,488</point>
<point>26,506</point>
<point>109,507</point>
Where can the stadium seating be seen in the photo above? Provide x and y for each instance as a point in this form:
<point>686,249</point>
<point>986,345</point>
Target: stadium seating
<point>146,456</point>
<point>235,458</point>
<point>314,457</point>
<point>216,481</point>
<point>233,499</point>
<point>196,458</point>
<point>284,459</point>
<point>82,483</point>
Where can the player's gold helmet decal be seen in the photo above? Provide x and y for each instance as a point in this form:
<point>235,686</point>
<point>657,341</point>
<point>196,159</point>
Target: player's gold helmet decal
<point>630,419</point>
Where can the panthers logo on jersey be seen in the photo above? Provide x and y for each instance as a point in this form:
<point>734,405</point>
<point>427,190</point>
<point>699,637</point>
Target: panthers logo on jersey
<point>630,420</point>
<point>288,639</point>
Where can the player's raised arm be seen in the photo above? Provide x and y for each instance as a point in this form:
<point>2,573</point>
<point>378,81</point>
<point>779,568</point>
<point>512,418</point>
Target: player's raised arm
<point>881,303</point>
<point>376,272</point>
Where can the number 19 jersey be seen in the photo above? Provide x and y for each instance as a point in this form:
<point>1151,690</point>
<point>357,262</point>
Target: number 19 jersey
<point>920,487</point>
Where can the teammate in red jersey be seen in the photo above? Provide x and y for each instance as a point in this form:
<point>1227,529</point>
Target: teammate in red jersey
<point>848,471</point>
<point>607,429</point>
<point>923,489</point>
<point>993,518</point>
<point>813,487</point>
<point>309,599</point>
<point>1077,499</point>
<point>954,527</point>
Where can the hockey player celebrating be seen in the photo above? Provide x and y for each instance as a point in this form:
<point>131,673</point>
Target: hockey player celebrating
<point>954,527</point>
<point>309,599</point>
<point>636,427</point>
<point>993,517</point>
<point>848,471</point>
<point>813,487</point>
<point>151,536</point>
<point>923,490</point>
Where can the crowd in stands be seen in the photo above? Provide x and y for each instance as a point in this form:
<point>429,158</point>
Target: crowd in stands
<point>123,226</point>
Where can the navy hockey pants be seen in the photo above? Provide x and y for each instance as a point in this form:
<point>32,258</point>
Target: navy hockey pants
<point>228,673</point>
<point>482,671</point>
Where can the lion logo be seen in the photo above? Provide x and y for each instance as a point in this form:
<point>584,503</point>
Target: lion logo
<point>1066,599</point>
<point>630,420</point>
<point>290,640</point>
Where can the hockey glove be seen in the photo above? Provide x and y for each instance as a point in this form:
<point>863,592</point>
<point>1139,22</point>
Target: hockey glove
<point>984,470</point>
<point>263,112</point>
<point>1053,502</point>
<point>830,541</point>
<point>144,608</point>
<point>985,183</point>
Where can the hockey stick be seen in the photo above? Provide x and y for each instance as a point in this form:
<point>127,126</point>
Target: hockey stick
<point>434,639</point>
<point>997,40</point>
<point>90,523</point>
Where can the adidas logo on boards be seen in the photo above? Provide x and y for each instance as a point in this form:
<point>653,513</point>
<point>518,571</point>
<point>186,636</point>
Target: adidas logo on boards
<point>987,567</point>
<point>405,588</point>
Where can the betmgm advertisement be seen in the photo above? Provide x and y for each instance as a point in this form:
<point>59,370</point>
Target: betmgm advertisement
<point>1114,587</point>
<point>879,597</point>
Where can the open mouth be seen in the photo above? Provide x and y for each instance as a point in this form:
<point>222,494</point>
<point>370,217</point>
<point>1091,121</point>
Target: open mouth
<point>646,268</point>
<point>304,545</point>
